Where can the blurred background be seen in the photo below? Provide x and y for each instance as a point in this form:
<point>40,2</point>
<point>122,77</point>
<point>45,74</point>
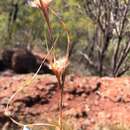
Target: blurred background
<point>99,30</point>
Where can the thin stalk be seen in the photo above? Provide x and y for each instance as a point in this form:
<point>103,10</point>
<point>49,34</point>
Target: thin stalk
<point>61,86</point>
<point>45,11</point>
<point>61,107</point>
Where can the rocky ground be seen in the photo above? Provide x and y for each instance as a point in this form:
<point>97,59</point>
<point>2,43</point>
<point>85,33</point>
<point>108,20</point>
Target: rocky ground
<point>88,101</point>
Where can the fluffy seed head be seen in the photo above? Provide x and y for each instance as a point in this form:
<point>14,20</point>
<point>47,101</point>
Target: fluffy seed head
<point>59,66</point>
<point>39,3</point>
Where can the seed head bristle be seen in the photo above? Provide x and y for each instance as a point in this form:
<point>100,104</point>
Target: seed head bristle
<point>59,66</point>
<point>37,3</point>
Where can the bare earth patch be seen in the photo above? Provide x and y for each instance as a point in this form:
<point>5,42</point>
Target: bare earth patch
<point>88,101</point>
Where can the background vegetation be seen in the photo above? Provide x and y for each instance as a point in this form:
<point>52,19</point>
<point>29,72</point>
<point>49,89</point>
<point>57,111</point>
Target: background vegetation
<point>99,32</point>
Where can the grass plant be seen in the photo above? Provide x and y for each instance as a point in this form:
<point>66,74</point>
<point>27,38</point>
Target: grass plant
<point>57,65</point>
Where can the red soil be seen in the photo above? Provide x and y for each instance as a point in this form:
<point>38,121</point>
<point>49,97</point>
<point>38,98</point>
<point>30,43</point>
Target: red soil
<point>88,101</point>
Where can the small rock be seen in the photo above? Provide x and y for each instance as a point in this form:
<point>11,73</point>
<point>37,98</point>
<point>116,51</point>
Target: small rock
<point>80,91</point>
<point>109,116</point>
<point>87,109</point>
<point>70,90</point>
<point>69,97</point>
<point>84,95</point>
